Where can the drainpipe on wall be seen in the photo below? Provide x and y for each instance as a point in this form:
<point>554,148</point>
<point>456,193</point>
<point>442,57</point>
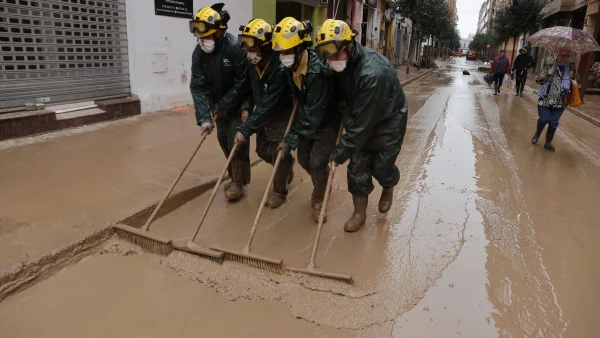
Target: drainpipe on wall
<point>330,9</point>
<point>594,29</point>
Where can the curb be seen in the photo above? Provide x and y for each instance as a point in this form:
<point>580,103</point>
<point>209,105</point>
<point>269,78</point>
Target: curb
<point>584,117</point>
<point>413,79</point>
<point>175,201</point>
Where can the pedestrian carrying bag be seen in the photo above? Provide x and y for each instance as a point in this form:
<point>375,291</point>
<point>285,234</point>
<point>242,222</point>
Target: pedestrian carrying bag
<point>489,78</point>
<point>575,98</point>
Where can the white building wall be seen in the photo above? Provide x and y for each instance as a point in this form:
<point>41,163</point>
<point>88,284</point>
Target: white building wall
<point>149,33</point>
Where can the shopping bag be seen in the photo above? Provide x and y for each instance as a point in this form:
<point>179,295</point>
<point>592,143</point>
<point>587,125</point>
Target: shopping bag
<point>575,98</point>
<point>507,79</point>
<point>488,78</point>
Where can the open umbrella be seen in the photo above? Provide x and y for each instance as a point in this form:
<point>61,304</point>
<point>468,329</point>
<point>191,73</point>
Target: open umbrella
<point>555,38</point>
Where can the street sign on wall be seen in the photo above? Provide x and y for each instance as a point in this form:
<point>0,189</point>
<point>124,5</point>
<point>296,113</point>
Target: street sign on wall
<point>175,8</point>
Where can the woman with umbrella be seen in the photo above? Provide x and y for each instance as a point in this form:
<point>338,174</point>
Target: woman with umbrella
<point>554,95</point>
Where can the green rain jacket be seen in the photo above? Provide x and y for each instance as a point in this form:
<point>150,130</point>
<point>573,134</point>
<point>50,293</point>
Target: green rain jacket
<point>375,111</point>
<point>272,96</point>
<point>219,80</point>
<point>317,110</point>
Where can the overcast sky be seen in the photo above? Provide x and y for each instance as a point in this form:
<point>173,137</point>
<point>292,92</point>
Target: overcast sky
<point>468,15</point>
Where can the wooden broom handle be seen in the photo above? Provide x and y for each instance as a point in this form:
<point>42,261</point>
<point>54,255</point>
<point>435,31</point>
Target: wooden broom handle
<point>269,184</point>
<point>311,262</point>
<point>146,226</point>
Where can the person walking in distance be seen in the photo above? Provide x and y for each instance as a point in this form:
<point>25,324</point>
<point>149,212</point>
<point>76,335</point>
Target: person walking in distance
<point>522,62</point>
<point>500,67</point>
<point>219,84</point>
<point>316,126</point>
<point>554,96</point>
<point>273,105</point>
<point>374,112</point>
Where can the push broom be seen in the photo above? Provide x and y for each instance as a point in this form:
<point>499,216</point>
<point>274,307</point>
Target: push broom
<point>194,248</point>
<point>142,237</point>
<point>246,256</point>
<point>311,268</point>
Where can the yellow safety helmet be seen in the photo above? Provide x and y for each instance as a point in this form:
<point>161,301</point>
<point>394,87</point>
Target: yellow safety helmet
<point>257,33</point>
<point>333,36</point>
<point>290,33</point>
<point>208,20</point>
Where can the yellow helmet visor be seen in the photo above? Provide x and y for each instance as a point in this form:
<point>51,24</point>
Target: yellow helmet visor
<point>247,42</point>
<point>328,49</point>
<point>200,27</point>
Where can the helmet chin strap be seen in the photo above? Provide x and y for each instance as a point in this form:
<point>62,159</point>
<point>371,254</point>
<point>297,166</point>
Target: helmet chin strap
<point>351,51</point>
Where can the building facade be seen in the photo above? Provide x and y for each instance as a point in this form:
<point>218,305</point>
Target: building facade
<point>84,53</point>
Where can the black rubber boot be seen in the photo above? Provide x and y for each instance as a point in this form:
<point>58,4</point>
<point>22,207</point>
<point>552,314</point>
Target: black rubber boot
<point>522,87</point>
<point>495,89</point>
<point>386,200</point>
<point>549,136</point>
<point>359,216</point>
<point>538,132</point>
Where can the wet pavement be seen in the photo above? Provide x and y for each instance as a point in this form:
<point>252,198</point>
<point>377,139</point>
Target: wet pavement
<point>57,188</point>
<point>489,236</point>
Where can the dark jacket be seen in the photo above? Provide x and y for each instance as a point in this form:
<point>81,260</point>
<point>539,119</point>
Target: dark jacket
<point>317,110</point>
<point>523,61</point>
<point>375,111</point>
<point>219,80</point>
<point>495,69</point>
<point>272,96</point>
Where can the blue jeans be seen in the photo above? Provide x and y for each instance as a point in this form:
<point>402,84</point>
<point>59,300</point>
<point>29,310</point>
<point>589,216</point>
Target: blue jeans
<point>549,116</point>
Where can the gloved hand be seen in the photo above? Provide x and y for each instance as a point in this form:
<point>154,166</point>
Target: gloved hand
<point>239,138</point>
<point>338,155</point>
<point>285,148</point>
<point>244,115</point>
<point>206,127</point>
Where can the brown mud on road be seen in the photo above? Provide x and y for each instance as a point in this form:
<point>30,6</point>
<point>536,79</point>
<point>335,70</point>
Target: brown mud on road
<point>489,236</point>
<point>133,296</point>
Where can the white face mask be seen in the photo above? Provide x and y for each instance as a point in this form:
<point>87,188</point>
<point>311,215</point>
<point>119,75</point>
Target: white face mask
<point>337,66</point>
<point>253,58</point>
<point>207,45</point>
<point>288,60</point>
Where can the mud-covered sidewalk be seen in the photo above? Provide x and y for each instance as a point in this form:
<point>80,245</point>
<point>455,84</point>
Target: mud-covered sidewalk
<point>59,188</point>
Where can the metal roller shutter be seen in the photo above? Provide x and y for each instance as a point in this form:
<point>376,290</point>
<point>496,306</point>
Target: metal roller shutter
<point>62,50</point>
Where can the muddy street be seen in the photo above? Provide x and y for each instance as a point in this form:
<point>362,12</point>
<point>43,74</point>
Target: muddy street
<point>489,236</point>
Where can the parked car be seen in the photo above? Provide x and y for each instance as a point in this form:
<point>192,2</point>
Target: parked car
<point>457,53</point>
<point>472,55</point>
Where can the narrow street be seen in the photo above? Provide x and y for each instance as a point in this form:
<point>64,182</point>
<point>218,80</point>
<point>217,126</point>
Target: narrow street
<point>489,236</point>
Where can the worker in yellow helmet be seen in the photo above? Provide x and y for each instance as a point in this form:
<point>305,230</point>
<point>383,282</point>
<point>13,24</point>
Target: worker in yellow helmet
<point>375,116</point>
<point>315,129</point>
<point>271,97</point>
<point>219,84</point>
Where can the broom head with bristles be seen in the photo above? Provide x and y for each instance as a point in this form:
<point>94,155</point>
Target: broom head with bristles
<point>335,276</point>
<point>145,240</point>
<point>203,252</point>
<point>255,261</point>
